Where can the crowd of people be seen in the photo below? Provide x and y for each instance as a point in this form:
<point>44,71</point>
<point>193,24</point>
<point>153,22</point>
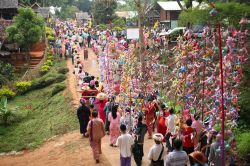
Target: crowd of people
<point>179,140</point>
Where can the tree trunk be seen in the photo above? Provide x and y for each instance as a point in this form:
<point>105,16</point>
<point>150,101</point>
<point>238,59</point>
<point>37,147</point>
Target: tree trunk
<point>179,3</point>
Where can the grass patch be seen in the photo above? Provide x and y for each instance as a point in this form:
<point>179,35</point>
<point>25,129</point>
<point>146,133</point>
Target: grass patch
<point>42,116</point>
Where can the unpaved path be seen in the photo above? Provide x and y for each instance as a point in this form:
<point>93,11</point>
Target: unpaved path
<point>71,149</point>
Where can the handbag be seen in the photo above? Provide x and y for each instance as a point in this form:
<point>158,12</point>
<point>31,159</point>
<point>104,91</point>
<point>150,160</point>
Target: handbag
<point>159,162</point>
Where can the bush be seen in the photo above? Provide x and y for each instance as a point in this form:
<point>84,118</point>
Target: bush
<point>116,28</point>
<point>102,27</point>
<point>7,92</point>
<point>57,88</point>
<point>47,80</point>
<point>60,78</point>
<point>48,63</point>
<point>63,70</point>
<point>45,69</point>
<point>6,73</point>
<point>50,57</point>
<point>243,143</point>
<point>119,22</point>
<point>23,86</point>
<point>51,38</point>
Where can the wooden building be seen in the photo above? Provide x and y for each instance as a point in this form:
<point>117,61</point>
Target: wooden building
<point>8,9</point>
<point>170,11</point>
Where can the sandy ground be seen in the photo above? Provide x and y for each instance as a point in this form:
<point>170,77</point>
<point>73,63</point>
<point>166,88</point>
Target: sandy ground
<point>71,149</point>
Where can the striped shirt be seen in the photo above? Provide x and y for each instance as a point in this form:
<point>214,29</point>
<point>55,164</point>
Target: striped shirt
<point>177,158</point>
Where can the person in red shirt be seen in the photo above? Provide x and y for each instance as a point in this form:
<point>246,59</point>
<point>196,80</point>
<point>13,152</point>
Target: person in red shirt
<point>161,127</point>
<point>188,135</point>
<point>150,117</point>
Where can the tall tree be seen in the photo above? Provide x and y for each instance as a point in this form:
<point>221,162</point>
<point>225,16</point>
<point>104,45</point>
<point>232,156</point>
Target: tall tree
<point>83,5</point>
<point>28,28</point>
<point>103,10</point>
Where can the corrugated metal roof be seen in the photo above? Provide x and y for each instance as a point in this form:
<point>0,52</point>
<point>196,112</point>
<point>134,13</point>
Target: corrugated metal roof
<point>7,4</point>
<point>173,5</point>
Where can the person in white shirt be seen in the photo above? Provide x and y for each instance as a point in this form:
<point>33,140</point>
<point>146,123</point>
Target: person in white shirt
<point>171,132</point>
<point>157,152</point>
<point>125,142</point>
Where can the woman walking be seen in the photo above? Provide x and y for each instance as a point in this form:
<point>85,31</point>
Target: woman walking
<point>83,114</point>
<point>96,132</point>
<point>114,119</point>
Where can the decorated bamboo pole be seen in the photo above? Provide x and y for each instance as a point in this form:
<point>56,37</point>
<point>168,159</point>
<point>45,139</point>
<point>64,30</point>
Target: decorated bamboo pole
<point>222,98</point>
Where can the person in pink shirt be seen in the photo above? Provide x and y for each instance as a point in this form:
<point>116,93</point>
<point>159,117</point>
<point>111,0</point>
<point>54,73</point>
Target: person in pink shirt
<point>198,126</point>
<point>114,119</point>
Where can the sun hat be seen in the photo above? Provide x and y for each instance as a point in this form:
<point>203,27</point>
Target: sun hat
<point>101,96</point>
<point>158,137</point>
<point>199,157</point>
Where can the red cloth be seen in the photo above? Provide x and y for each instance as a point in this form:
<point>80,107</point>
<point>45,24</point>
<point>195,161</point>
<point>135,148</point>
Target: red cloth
<point>100,108</point>
<point>188,142</point>
<point>150,115</point>
<point>162,128</point>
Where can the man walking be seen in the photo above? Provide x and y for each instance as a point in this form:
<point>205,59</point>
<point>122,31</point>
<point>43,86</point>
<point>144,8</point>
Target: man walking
<point>96,132</point>
<point>125,142</point>
<point>178,157</point>
<point>157,151</point>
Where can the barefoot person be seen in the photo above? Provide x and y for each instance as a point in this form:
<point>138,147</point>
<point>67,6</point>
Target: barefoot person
<point>96,132</point>
<point>83,114</point>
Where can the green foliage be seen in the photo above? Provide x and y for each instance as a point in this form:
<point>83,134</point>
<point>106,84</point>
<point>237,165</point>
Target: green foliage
<point>102,27</point>
<point>49,31</point>
<point>27,29</point>
<point>6,73</point>
<point>45,69</point>
<point>244,101</point>
<point>5,112</point>
<point>63,70</point>
<point>47,80</point>
<point>103,10</point>
<point>228,14</point>
<point>51,38</point>
<point>68,12</point>
<point>83,5</point>
<point>58,88</point>
<point>22,86</point>
<point>129,6</point>
<point>119,22</point>
<point>116,28</point>
<point>7,92</point>
<point>44,117</point>
<point>243,143</point>
<point>48,63</point>
<point>50,57</point>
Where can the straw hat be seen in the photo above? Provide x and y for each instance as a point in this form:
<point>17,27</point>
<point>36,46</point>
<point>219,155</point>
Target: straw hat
<point>199,157</point>
<point>158,137</point>
<point>101,96</point>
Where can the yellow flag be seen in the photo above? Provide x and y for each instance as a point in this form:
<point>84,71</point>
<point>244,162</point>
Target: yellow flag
<point>90,24</point>
<point>156,24</point>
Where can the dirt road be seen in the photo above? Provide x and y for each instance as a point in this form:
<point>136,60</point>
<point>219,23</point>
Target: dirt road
<point>71,149</point>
